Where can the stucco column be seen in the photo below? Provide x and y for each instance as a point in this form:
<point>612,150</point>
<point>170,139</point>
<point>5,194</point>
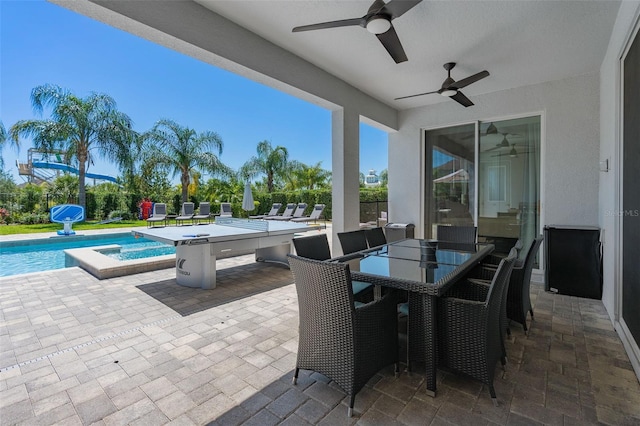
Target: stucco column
<point>345,135</point>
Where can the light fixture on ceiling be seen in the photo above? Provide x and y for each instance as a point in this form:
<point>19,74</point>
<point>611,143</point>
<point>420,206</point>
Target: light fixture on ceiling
<point>513,153</point>
<point>378,24</point>
<point>504,143</point>
<point>448,92</point>
<point>491,130</point>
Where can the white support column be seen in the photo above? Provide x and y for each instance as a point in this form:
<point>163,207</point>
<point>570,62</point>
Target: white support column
<point>345,134</point>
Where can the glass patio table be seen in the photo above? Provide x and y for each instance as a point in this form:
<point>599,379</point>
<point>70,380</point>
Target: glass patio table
<point>426,269</point>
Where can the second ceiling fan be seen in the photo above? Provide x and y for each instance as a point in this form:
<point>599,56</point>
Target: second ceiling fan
<point>451,88</point>
<point>377,21</point>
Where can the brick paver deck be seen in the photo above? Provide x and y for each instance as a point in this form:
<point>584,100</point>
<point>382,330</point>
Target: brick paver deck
<point>142,350</point>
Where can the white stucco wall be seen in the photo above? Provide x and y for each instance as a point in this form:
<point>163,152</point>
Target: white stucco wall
<point>628,15</point>
<point>570,146</point>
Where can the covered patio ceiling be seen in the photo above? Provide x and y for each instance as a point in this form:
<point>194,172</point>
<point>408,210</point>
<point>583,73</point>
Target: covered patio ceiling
<point>520,43</point>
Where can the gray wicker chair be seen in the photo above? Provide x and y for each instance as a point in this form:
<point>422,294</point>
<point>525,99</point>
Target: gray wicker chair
<point>316,247</point>
<point>375,237</point>
<point>518,297</point>
<point>457,234</point>
<point>353,241</point>
<point>349,345</point>
<point>469,336</point>
<point>481,277</point>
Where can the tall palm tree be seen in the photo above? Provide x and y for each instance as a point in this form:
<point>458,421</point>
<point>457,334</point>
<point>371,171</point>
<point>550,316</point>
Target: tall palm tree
<point>3,139</point>
<point>184,151</point>
<point>270,161</point>
<point>77,126</point>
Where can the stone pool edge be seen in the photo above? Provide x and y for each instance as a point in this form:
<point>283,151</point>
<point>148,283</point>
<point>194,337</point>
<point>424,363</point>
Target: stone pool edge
<point>102,266</point>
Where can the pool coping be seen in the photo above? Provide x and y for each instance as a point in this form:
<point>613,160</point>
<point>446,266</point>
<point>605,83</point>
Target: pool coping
<point>102,266</point>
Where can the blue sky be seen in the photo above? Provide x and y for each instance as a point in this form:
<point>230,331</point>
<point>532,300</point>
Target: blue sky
<point>44,43</point>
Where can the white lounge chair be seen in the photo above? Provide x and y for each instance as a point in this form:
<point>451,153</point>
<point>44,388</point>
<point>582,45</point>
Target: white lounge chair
<point>275,207</point>
<point>288,212</point>
<point>314,216</point>
<point>159,214</point>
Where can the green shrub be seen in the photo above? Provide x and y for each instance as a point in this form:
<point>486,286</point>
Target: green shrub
<point>33,218</point>
<point>125,215</point>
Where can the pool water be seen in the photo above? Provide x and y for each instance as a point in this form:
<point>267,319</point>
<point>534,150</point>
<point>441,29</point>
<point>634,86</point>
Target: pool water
<point>142,250</point>
<point>21,257</point>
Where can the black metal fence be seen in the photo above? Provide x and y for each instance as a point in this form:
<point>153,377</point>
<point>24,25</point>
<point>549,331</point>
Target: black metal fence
<point>371,211</point>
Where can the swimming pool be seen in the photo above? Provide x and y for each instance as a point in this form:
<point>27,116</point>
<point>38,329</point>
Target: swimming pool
<point>21,257</point>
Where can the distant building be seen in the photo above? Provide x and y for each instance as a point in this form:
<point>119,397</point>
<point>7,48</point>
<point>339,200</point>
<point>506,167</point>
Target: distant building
<point>372,179</point>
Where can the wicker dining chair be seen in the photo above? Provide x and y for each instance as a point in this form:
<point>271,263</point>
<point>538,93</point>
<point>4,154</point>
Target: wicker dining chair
<point>347,344</point>
<point>458,234</point>
<point>469,337</point>
<point>317,247</point>
<point>375,237</point>
<point>519,297</point>
<point>353,241</point>
<point>481,277</point>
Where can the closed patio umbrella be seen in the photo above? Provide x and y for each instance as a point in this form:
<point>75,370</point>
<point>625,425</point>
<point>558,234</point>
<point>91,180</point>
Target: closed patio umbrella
<point>247,198</point>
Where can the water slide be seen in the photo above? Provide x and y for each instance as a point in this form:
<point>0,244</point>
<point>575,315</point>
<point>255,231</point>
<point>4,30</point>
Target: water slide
<point>70,169</point>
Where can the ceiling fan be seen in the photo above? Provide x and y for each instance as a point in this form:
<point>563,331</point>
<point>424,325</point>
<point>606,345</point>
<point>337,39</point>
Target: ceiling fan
<point>513,153</point>
<point>377,21</point>
<point>451,88</point>
<point>504,143</point>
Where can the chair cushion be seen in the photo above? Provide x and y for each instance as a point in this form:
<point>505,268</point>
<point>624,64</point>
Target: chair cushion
<point>403,308</point>
<point>359,286</point>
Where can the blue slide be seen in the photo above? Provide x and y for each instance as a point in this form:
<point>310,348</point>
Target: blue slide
<point>67,168</point>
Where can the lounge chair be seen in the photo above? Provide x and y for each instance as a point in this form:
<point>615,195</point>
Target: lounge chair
<point>288,211</point>
<point>186,213</point>
<point>159,215</point>
<point>225,210</point>
<point>273,212</point>
<point>296,214</point>
<point>204,213</point>
<point>314,216</point>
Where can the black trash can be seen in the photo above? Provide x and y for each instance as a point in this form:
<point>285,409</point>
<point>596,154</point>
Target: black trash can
<point>398,231</point>
<point>573,263</point>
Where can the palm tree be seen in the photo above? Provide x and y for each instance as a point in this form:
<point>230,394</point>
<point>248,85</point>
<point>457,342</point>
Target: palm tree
<point>3,139</point>
<point>270,161</point>
<point>77,126</point>
<point>184,151</point>
<point>302,176</point>
<point>384,178</point>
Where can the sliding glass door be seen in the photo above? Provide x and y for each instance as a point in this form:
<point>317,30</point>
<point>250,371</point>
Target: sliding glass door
<point>503,157</point>
<point>509,182</point>
<point>450,177</point>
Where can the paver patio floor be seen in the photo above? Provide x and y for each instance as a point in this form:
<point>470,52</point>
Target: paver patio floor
<point>142,350</point>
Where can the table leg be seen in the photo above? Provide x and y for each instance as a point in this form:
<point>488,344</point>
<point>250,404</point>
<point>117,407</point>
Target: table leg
<point>276,254</point>
<point>422,336</point>
<point>196,266</point>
